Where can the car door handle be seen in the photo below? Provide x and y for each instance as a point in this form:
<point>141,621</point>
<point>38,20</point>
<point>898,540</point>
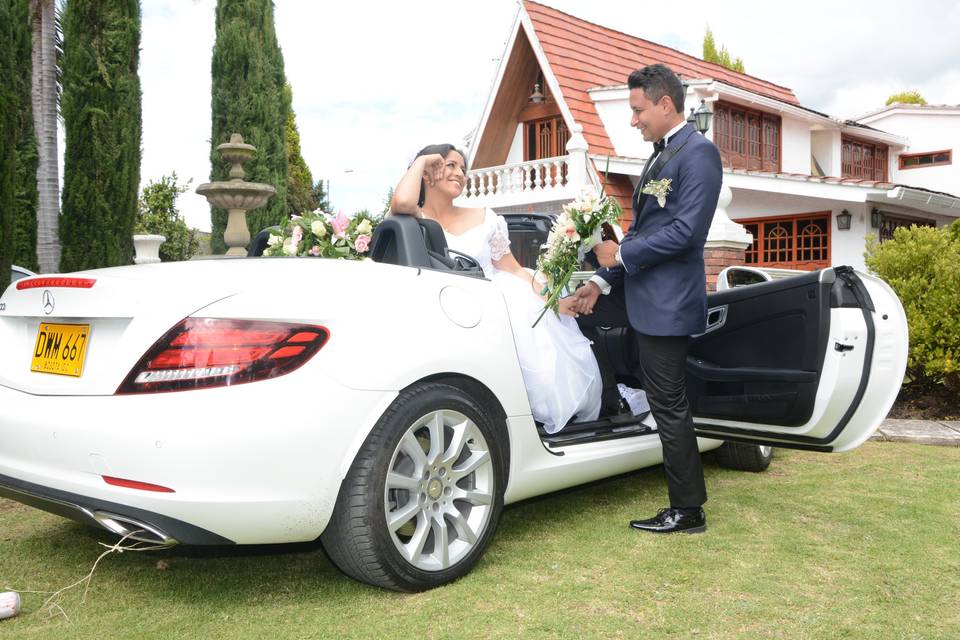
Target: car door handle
<point>716,318</point>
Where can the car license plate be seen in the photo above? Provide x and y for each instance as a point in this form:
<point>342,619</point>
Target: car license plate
<point>60,349</point>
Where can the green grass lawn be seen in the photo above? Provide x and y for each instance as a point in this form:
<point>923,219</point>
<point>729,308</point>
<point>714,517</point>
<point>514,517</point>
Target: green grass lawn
<point>858,545</point>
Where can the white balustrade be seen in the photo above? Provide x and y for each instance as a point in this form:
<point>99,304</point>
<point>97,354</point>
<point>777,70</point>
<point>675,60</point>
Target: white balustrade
<point>536,176</point>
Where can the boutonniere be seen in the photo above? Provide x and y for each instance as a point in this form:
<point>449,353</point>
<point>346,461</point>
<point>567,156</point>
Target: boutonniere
<point>659,189</point>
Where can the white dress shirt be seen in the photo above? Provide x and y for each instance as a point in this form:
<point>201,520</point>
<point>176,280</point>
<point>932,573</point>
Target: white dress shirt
<point>597,280</point>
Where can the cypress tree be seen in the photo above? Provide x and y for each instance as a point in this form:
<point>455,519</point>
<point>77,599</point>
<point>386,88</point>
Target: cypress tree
<point>101,114</point>
<point>299,179</point>
<point>248,98</point>
<point>8,119</point>
<point>25,180</point>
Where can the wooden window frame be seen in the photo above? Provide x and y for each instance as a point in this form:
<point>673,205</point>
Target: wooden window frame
<point>875,146</point>
<point>528,153</point>
<point>744,159</point>
<point>890,222</point>
<point>905,156</point>
<point>758,249</point>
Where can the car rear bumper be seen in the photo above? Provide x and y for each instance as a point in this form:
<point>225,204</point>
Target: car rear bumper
<point>121,519</point>
<point>251,464</point>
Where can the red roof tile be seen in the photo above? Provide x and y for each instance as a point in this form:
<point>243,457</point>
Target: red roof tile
<point>583,55</point>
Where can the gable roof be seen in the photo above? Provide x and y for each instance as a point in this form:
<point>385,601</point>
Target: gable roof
<point>582,55</point>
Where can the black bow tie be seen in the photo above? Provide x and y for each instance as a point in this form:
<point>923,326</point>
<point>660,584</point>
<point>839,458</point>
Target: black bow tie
<point>659,145</point>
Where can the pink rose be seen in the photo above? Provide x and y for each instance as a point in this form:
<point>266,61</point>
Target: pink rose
<point>340,223</point>
<point>362,243</point>
<point>297,234</point>
<point>315,250</point>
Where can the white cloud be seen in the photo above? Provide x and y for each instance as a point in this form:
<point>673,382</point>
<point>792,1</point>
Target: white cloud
<point>375,81</point>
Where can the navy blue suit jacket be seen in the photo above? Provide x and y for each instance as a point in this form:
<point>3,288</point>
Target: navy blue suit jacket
<point>663,273</point>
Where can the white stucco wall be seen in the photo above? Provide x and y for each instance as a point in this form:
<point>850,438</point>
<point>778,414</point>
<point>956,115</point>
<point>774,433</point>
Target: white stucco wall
<point>516,147</point>
<point>825,146</point>
<point>927,132</point>
<point>795,146</point>
<point>846,247</point>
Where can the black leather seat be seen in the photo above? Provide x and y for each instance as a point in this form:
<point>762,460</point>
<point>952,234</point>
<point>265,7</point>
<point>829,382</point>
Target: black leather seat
<point>417,242</point>
<point>259,243</point>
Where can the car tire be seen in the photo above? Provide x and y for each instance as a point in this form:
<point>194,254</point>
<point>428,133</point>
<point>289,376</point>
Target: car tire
<point>424,494</point>
<point>744,457</point>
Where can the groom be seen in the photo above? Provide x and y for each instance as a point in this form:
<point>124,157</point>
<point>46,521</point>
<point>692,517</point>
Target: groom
<point>655,283</point>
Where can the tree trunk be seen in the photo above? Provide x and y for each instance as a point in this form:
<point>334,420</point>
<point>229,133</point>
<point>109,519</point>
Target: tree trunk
<point>44,93</point>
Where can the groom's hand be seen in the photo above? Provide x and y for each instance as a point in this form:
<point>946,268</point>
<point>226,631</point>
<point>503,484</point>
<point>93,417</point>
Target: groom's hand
<point>586,297</point>
<point>606,253</point>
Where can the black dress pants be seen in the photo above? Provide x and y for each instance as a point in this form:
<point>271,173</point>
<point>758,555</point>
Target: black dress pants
<point>663,364</point>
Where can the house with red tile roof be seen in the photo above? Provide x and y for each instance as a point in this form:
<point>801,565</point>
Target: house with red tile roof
<point>807,187</point>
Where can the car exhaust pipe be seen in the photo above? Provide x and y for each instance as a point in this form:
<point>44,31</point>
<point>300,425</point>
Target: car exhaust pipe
<point>127,527</point>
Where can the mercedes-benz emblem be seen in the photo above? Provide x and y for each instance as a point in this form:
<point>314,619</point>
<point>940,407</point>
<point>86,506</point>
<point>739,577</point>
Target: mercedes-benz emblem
<point>48,302</point>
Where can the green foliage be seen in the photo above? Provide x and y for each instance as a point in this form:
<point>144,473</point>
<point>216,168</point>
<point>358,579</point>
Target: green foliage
<point>101,116</point>
<point>922,265</point>
<point>158,214</point>
<point>709,46</point>
<point>8,130</point>
<point>248,98</point>
<point>24,232</point>
<point>387,199</point>
<point>299,180</point>
<point>721,56</point>
<point>906,97</point>
<point>321,196</point>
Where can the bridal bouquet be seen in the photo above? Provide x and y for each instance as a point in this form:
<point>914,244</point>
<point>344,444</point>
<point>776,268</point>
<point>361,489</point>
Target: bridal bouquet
<point>323,235</point>
<point>576,230</point>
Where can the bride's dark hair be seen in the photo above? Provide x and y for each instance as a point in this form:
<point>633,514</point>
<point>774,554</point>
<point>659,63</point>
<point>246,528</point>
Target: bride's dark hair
<point>442,149</point>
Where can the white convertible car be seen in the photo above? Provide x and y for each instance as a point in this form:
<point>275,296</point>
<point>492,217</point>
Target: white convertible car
<point>379,405</point>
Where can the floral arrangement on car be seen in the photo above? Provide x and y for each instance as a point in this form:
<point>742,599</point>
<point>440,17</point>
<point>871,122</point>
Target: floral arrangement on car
<point>582,225</point>
<point>324,235</point>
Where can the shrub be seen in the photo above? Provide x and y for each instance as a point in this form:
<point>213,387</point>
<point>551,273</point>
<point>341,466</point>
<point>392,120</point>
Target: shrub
<point>922,265</point>
<point>158,214</point>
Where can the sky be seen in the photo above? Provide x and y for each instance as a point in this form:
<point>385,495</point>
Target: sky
<point>374,81</point>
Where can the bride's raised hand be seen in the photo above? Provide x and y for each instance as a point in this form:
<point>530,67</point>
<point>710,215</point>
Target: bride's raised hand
<point>432,168</point>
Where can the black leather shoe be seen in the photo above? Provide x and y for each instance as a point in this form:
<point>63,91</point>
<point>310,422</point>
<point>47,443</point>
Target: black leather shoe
<point>673,520</point>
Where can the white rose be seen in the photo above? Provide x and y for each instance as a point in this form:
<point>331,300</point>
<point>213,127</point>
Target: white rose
<point>273,241</point>
<point>364,227</point>
<point>318,228</point>
<point>290,247</point>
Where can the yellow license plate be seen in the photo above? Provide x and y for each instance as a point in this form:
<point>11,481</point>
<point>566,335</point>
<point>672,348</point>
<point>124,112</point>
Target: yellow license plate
<point>60,349</point>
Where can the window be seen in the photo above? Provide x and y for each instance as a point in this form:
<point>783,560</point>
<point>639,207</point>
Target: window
<point>931,159</point>
<point>546,138</point>
<point>863,160</point>
<point>747,139</point>
<point>795,242</point>
<point>889,224</point>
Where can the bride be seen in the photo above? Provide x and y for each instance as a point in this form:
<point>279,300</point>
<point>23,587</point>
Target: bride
<point>559,369</point>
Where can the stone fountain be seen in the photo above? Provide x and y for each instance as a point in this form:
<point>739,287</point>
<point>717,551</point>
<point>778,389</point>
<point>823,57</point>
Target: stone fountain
<point>236,196</point>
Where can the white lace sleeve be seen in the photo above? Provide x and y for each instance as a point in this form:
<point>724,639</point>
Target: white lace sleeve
<point>499,238</point>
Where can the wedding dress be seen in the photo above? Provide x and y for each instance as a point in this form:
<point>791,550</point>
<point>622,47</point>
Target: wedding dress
<point>559,369</point>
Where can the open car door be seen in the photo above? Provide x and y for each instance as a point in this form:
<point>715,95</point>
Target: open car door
<point>813,361</point>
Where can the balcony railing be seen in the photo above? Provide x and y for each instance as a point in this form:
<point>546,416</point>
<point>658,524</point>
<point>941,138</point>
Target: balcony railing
<point>539,175</point>
<point>532,182</point>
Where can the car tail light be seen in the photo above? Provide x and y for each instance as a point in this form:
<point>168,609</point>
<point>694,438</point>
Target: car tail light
<point>55,282</point>
<point>200,353</point>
